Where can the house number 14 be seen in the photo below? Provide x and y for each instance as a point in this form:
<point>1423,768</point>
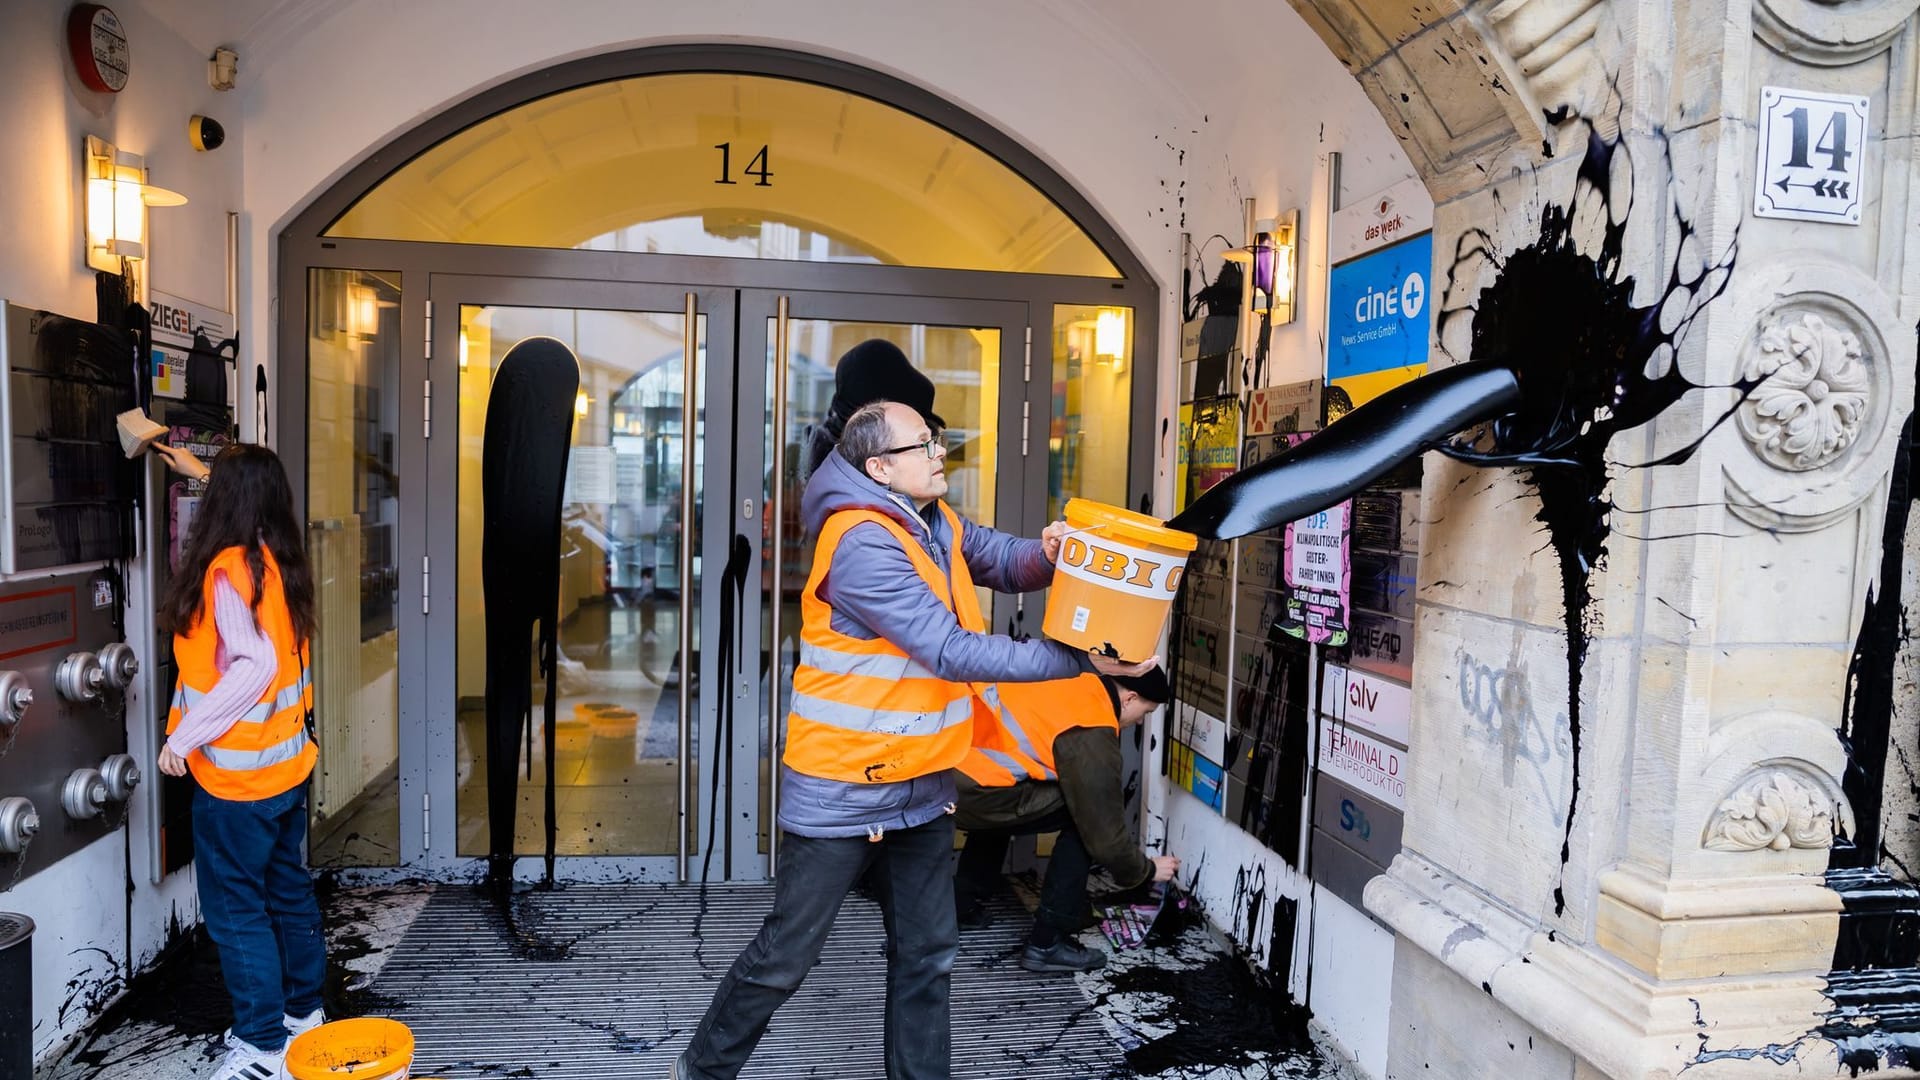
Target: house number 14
<point>757,167</point>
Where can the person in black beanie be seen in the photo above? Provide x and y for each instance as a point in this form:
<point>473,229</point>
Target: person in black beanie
<point>874,370</point>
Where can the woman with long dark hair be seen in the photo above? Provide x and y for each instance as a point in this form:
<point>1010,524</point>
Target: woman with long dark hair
<point>240,607</point>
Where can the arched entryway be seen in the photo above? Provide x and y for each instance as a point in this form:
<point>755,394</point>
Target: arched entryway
<point>753,211</point>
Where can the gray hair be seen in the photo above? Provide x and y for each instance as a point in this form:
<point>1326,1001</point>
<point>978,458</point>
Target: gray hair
<point>866,435</point>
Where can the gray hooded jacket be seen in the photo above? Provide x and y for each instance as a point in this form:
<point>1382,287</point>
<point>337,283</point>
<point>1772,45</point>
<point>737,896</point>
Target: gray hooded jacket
<point>875,592</point>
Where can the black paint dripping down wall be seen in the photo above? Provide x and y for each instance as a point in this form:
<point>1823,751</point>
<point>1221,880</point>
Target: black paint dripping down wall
<point>523,471</point>
<point>1591,365</point>
<point>1875,981</point>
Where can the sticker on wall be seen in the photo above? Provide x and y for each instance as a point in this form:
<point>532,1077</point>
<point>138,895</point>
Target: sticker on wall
<point>1312,571</point>
<point>1285,409</point>
<point>1212,444</point>
<point>1199,776</point>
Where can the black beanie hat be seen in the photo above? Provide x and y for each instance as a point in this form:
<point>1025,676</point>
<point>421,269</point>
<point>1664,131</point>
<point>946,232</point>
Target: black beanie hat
<point>1151,684</point>
<point>876,370</point>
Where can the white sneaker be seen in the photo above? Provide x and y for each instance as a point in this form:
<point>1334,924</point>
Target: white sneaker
<point>299,1025</point>
<point>245,1061</point>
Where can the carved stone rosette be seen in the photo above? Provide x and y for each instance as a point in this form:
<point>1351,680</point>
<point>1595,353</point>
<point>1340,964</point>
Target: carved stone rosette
<point>1830,32</point>
<point>1776,807</point>
<point>1810,407</point>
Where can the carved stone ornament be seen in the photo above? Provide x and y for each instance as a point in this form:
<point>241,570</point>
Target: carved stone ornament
<point>1811,406</point>
<point>1830,32</point>
<point>1775,808</point>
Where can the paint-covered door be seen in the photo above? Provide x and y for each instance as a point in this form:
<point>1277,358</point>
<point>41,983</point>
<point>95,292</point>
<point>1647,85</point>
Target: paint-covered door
<point>650,429</point>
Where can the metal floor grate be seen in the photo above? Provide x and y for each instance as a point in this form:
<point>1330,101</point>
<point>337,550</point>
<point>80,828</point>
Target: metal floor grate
<point>636,980</point>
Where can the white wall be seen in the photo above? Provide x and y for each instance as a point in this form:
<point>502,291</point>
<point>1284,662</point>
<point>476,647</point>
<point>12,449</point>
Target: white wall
<point>82,907</point>
<point>1163,117</point>
<point>1352,959</point>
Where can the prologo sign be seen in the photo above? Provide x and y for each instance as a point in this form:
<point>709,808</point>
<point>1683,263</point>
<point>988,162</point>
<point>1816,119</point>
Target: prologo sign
<point>1811,148</point>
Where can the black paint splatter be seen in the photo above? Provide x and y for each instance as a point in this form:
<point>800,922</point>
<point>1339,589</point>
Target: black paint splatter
<point>1591,365</point>
<point>523,472</point>
<point>1221,1011</point>
<point>1875,981</point>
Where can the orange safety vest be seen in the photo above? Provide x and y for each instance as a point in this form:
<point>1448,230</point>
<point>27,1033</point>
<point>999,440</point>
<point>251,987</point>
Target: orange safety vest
<point>1032,716</point>
<point>267,751</point>
<point>864,712</point>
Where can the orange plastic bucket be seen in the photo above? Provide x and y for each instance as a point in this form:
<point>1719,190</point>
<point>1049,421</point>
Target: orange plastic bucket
<point>1116,579</point>
<point>367,1048</point>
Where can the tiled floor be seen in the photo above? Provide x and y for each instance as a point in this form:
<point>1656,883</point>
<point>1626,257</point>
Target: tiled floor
<point>1178,1009</point>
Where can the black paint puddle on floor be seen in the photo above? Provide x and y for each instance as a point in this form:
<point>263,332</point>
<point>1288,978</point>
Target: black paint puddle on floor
<point>181,992</point>
<point>1222,1013</point>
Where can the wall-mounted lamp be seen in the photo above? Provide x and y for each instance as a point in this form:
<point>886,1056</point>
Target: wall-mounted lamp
<point>1273,257</point>
<point>363,310</point>
<point>582,404</point>
<point>1110,336</point>
<point>117,197</point>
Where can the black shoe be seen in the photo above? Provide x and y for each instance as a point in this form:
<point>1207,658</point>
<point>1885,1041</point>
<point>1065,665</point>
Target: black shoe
<point>973,917</point>
<point>1063,955</point>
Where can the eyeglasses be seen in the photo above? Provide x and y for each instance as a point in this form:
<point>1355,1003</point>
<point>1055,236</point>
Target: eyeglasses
<point>937,442</point>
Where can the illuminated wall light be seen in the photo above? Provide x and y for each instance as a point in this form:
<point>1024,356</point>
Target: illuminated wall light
<point>1110,333</point>
<point>363,310</point>
<point>1272,259</point>
<point>117,198</point>
<point>581,403</point>
<point>463,348</point>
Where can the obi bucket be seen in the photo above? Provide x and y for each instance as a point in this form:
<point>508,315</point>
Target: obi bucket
<point>1116,579</point>
<point>367,1048</point>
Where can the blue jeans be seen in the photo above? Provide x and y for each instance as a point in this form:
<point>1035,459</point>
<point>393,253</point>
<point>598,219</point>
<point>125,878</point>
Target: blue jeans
<point>915,872</point>
<point>260,909</point>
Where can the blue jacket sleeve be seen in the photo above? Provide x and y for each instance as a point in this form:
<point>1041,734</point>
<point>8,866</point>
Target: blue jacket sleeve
<point>872,583</point>
<point>1008,564</point>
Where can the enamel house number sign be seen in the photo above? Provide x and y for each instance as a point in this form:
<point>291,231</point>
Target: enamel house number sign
<point>1811,149</point>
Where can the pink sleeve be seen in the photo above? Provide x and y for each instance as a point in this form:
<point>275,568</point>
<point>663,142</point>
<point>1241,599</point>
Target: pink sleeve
<point>250,665</point>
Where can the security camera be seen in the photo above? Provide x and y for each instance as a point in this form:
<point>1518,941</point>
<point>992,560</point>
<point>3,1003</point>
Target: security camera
<point>205,133</point>
<point>222,68</point>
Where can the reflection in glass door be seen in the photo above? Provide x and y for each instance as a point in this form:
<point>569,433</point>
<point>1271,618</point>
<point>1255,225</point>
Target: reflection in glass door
<point>353,504</point>
<point>620,766</point>
<point>964,358</point>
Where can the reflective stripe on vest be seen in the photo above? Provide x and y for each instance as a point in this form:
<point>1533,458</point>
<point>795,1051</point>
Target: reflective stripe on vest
<point>285,750</point>
<point>267,751</point>
<point>864,711</point>
<point>184,699</point>
<point>1031,716</point>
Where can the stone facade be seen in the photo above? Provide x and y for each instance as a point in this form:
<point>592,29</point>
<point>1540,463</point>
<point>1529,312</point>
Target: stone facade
<point>1683,918</point>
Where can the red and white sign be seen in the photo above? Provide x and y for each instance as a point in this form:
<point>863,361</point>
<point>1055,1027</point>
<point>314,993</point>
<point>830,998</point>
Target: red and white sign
<point>1387,217</point>
<point>1379,705</point>
<point>1364,763</point>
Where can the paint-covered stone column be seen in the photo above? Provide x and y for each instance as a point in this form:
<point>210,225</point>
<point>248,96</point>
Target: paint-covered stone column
<point>1635,733</point>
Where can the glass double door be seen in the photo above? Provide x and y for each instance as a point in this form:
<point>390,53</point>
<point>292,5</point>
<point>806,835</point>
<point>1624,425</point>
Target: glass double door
<point>681,561</point>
